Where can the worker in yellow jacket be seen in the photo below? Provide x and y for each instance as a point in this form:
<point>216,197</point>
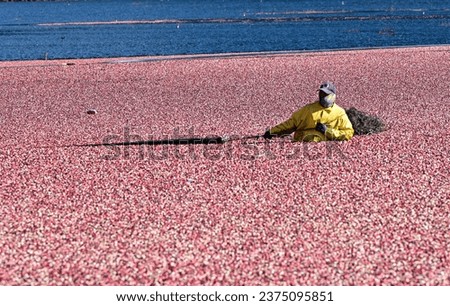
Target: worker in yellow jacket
<point>318,121</point>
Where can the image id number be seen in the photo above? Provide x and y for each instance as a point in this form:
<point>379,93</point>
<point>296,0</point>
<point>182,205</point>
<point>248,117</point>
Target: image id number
<point>295,296</point>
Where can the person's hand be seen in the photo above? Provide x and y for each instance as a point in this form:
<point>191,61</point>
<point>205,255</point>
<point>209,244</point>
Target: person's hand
<point>321,127</point>
<point>267,135</point>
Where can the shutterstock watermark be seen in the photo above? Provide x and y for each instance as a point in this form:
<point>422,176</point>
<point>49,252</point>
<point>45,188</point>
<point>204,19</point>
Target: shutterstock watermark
<point>186,144</point>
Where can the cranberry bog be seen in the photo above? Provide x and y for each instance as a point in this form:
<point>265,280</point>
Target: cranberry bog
<point>370,211</point>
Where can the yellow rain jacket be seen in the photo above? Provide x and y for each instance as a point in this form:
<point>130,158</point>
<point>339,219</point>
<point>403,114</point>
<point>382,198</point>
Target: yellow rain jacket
<point>303,122</point>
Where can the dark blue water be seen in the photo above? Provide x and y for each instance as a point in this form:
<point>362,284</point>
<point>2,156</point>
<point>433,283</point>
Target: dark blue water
<point>83,29</point>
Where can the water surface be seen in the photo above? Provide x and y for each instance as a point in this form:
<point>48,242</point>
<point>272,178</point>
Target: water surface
<point>112,28</point>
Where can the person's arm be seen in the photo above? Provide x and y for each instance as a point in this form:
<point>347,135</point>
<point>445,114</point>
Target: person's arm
<point>342,131</point>
<point>292,124</point>
<point>284,128</point>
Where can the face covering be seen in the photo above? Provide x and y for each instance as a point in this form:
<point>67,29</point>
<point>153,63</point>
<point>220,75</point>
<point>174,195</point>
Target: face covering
<point>327,101</point>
